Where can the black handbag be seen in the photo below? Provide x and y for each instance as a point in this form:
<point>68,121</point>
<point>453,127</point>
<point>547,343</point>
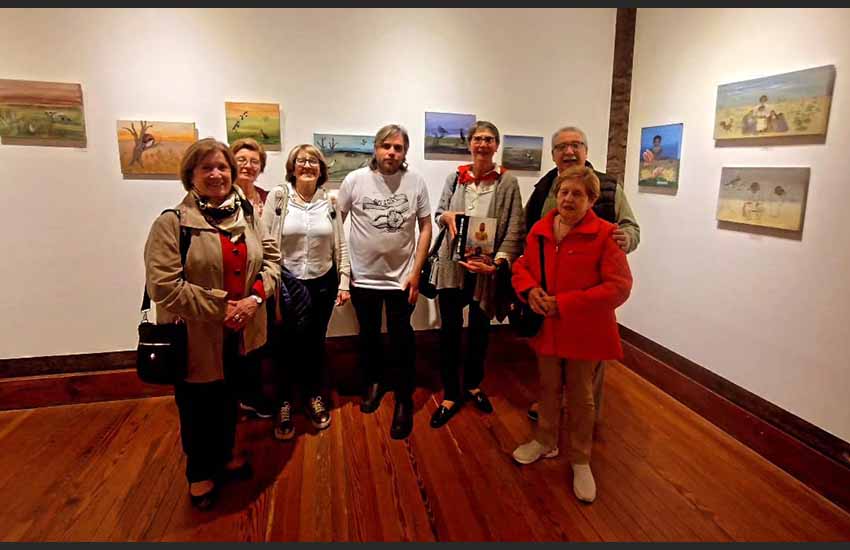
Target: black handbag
<point>525,322</point>
<point>161,356</point>
<point>428,275</point>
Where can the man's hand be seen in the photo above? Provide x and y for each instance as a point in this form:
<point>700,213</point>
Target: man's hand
<point>411,285</point>
<point>622,239</point>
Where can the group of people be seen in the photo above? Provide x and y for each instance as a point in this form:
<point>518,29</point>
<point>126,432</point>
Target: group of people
<point>253,252</point>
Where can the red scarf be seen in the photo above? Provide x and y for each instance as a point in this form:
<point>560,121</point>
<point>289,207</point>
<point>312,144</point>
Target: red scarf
<point>464,175</point>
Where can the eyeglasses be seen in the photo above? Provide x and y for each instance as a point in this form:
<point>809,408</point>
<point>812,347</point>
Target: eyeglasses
<point>483,139</point>
<point>574,145</point>
<point>307,162</point>
<point>244,160</point>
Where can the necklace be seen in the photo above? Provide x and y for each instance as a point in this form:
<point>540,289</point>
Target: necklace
<point>306,201</point>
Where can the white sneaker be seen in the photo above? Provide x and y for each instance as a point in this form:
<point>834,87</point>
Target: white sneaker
<point>533,451</point>
<point>583,484</point>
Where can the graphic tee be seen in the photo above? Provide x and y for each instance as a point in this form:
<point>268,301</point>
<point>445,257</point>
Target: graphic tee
<point>384,213</point>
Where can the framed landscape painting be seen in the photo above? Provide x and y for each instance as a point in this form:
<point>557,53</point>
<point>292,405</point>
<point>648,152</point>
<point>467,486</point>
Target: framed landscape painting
<point>445,135</point>
<point>790,104</point>
<point>661,151</point>
<point>522,153</point>
<point>41,113</point>
<point>260,121</point>
<point>153,148</point>
<point>766,197</point>
<point>344,153</point>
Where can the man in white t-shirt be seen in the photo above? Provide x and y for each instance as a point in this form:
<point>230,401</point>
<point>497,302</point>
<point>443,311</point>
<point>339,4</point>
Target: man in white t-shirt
<point>386,203</point>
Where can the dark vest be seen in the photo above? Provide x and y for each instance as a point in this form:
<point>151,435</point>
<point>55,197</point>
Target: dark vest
<point>604,207</point>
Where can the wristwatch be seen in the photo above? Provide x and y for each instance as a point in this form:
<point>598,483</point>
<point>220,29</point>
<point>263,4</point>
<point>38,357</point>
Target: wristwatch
<point>257,298</point>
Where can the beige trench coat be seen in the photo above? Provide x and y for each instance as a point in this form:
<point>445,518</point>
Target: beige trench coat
<point>198,296</point>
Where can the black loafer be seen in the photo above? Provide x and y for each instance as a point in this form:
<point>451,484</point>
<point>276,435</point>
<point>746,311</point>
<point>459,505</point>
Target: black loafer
<point>444,414</point>
<point>402,420</point>
<point>206,500</point>
<point>242,473</point>
<point>481,402</point>
<point>372,400</point>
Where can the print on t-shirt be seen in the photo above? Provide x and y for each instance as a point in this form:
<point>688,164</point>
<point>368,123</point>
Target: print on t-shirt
<point>387,214</point>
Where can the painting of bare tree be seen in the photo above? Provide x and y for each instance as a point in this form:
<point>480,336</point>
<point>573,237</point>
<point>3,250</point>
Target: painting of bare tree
<point>344,153</point>
<point>153,148</point>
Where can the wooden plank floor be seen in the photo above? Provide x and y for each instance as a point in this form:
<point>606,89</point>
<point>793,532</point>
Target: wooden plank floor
<point>114,472</point>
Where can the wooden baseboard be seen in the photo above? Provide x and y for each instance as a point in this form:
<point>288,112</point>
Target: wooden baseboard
<point>61,364</point>
<point>813,456</point>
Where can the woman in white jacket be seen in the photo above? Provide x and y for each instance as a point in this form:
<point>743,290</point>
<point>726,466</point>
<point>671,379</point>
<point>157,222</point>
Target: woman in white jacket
<point>302,217</point>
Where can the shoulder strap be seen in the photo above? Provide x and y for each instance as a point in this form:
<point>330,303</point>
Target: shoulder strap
<point>542,264</point>
<point>436,248</point>
<point>185,242</point>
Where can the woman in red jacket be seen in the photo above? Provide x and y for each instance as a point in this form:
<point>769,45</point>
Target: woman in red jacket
<point>587,278</point>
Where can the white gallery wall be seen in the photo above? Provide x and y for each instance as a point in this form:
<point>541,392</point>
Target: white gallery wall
<point>71,274</point>
<point>770,314</point>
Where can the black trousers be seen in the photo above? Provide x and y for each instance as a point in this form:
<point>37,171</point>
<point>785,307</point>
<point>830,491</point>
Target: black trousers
<point>301,358</point>
<point>398,369</point>
<point>451,302</point>
<point>208,415</point>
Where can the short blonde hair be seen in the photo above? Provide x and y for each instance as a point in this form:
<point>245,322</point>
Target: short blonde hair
<point>197,152</point>
<point>583,174</point>
<point>310,150</point>
<point>251,145</point>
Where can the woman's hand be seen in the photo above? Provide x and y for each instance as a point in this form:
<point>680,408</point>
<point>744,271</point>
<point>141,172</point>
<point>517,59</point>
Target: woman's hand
<point>477,266</point>
<point>239,312</point>
<point>448,219</point>
<point>537,300</point>
<point>342,296</point>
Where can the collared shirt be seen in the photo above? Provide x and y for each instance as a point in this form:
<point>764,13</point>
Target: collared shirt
<point>306,246</point>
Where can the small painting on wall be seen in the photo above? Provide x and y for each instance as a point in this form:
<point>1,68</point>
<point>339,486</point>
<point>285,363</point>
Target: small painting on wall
<point>259,121</point>
<point>152,148</point>
<point>790,104</point>
<point>445,135</point>
<point>344,153</point>
<point>522,153</point>
<point>766,197</point>
<point>661,150</point>
<point>42,113</point>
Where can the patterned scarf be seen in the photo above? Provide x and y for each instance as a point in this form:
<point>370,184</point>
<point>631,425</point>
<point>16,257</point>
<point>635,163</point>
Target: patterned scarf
<point>465,175</point>
<point>228,216</point>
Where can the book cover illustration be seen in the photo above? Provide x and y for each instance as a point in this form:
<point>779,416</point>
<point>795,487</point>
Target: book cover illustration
<point>475,239</point>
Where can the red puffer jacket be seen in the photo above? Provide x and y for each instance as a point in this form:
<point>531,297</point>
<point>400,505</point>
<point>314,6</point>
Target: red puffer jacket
<point>590,277</point>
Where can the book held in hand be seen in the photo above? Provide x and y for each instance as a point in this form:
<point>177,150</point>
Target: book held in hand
<point>475,239</point>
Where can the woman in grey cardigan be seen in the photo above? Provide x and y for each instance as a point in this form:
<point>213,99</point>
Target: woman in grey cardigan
<point>481,189</point>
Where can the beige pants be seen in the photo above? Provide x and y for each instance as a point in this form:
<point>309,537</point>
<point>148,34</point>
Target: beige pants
<point>581,412</point>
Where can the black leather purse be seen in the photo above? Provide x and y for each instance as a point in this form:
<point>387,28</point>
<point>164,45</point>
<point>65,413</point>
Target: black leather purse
<point>428,275</point>
<point>525,322</point>
<point>161,356</point>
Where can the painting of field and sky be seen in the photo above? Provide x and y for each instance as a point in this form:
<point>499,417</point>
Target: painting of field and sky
<point>260,121</point>
<point>522,153</point>
<point>42,113</point>
<point>767,197</point>
<point>790,104</point>
<point>344,153</point>
<point>660,153</point>
<point>445,135</point>
<point>153,148</point>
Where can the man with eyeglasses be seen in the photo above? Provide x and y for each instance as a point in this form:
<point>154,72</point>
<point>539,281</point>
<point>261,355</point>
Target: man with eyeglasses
<point>386,203</point>
<point>569,148</point>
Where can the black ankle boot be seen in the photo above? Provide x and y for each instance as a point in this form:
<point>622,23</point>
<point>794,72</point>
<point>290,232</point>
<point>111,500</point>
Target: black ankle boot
<point>402,419</point>
<point>372,399</point>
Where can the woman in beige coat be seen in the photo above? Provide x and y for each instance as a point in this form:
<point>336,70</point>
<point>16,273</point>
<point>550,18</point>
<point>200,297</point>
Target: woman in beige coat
<point>230,268</point>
